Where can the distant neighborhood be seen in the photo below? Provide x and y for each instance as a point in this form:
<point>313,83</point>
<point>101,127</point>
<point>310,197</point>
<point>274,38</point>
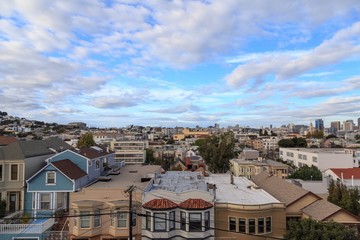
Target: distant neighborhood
<point>69,181</point>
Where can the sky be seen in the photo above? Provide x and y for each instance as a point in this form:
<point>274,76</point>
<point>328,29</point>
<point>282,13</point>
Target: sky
<point>180,63</point>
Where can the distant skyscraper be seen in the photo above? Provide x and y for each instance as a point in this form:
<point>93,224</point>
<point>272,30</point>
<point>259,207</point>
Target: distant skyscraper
<point>319,124</point>
<point>348,125</point>
<point>335,126</point>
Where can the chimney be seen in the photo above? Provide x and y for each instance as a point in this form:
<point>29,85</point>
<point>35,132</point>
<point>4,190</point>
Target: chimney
<point>232,179</point>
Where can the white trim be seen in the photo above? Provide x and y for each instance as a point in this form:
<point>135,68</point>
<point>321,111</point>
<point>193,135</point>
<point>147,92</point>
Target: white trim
<point>30,238</point>
<point>17,164</point>
<point>45,191</point>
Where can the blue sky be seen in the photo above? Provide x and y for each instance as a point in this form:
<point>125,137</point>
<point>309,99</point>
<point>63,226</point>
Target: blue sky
<point>180,63</point>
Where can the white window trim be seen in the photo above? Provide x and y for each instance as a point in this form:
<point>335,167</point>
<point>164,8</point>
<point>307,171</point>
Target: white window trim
<point>97,161</point>
<point>17,172</point>
<point>94,218</point>
<point>47,178</point>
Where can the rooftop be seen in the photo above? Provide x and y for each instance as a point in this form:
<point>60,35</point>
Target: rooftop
<point>260,163</point>
<point>346,173</point>
<point>243,191</point>
<point>177,181</point>
<point>129,175</point>
<point>317,150</point>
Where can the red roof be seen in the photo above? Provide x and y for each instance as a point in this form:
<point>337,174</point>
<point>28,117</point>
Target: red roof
<point>160,204</point>
<point>4,140</point>
<point>70,169</point>
<point>347,172</point>
<point>191,204</point>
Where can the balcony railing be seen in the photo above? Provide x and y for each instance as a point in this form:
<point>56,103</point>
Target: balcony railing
<point>38,226</point>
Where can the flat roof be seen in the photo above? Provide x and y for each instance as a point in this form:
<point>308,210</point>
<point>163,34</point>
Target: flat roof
<point>259,163</point>
<point>318,150</point>
<point>178,181</point>
<point>243,191</point>
<point>129,175</point>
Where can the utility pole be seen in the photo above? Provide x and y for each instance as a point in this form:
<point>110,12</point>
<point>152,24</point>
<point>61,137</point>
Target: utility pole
<point>130,190</point>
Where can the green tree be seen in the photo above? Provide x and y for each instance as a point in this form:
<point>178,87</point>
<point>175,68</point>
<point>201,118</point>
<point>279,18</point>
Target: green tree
<point>357,136</point>
<point>307,173</point>
<point>217,151</point>
<point>286,143</point>
<point>308,229</point>
<point>347,198</point>
<point>150,159</point>
<point>86,140</point>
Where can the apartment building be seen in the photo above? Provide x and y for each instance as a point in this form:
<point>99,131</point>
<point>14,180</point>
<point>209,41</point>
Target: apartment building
<point>178,205</point>
<point>322,158</point>
<point>130,152</point>
<point>244,211</point>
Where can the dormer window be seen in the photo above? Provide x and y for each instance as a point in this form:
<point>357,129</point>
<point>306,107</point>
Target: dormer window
<point>50,177</point>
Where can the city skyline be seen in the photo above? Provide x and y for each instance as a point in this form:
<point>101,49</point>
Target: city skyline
<point>180,63</point>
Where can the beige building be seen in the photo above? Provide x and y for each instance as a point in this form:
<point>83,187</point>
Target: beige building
<point>187,133</point>
<point>130,152</point>
<point>301,203</point>
<point>101,210</point>
<point>243,211</point>
<point>250,168</point>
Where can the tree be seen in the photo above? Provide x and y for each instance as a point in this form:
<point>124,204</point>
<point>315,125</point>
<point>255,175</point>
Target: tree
<point>347,198</point>
<point>150,159</point>
<point>308,229</point>
<point>286,143</point>
<point>86,140</point>
<point>307,173</point>
<point>217,151</point>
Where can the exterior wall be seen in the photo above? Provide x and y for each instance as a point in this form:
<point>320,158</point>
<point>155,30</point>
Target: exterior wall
<point>294,209</point>
<point>322,160</point>
<point>249,170</point>
<point>38,183</point>
<point>342,217</point>
<point>347,182</point>
<point>132,152</point>
<point>34,164</point>
<point>224,211</point>
<point>105,204</point>
<point>74,157</point>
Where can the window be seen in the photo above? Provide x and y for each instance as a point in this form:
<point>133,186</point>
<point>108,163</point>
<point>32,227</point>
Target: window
<point>159,222</point>
<point>183,221</point>
<point>207,220</point>
<point>148,221</point>
<point>85,219</point>
<point>172,220</point>
<point>75,218</point>
<point>97,164</point>
<point>97,218</point>
<point>121,219</point>
<point>261,226</point>
<point>304,157</point>
<point>195,222</point>
<point>1,173</point>
<point>242,225</point>
<point>50,177</point>
<point>314,159</point>
<point>45,201</point>
<point>252,226</point>
<point>33,201</point>
<point>133,219</point>
<point>60,196</point>
<point>112,217</point>
<point>300,156</point>
<point>14,172</point>
<point>232,224</point>
<point>268,224</point>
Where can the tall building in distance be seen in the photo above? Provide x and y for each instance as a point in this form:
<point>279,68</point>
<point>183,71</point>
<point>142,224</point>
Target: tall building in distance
<point>335,126</point>
<point>348,125</point>
<point>319,124</point>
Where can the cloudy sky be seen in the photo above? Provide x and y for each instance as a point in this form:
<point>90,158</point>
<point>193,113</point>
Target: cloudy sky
<point>180,63</point>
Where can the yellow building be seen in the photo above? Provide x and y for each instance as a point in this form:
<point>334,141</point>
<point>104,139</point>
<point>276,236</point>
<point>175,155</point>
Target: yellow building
<point>187,133</point>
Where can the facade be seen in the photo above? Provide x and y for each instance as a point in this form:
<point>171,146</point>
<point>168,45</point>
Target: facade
<point>130,152</point>
<point>178,205</point>
<point>322,158</point>
<point>348,176</point>
<point>335,126</point>
<point>250,168</point>
<point>348,125</point>
<point>18,162</point>
<point>187,133</point>
<point>244,211</point>
<point>101,210</point>
<point>319,124</point>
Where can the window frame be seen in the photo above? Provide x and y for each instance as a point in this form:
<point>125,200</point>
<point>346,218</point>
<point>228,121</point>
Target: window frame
<point>259,231</point>
<point>160,218</point>
<point>85,217</point>
<point>47,178</point>
<point>268,224</point>
<point>195,222</point>
<point>124,219</point>
<point>207,222</point>
<point>171,220</point>
<point>183,220</point>
<point>11,174</point>
<point>97,164</point>
<point>252,226</point>
<point>232,224</point>
<point>97,218</point>
<point>148,220</point>
<point>41,201</point>
<point>242,220</point>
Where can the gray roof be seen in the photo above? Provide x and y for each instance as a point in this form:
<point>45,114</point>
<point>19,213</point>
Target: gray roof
<point>26,149</point>
<point>267,162</point>
<point>321,209</point>
<point>280,189</point>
